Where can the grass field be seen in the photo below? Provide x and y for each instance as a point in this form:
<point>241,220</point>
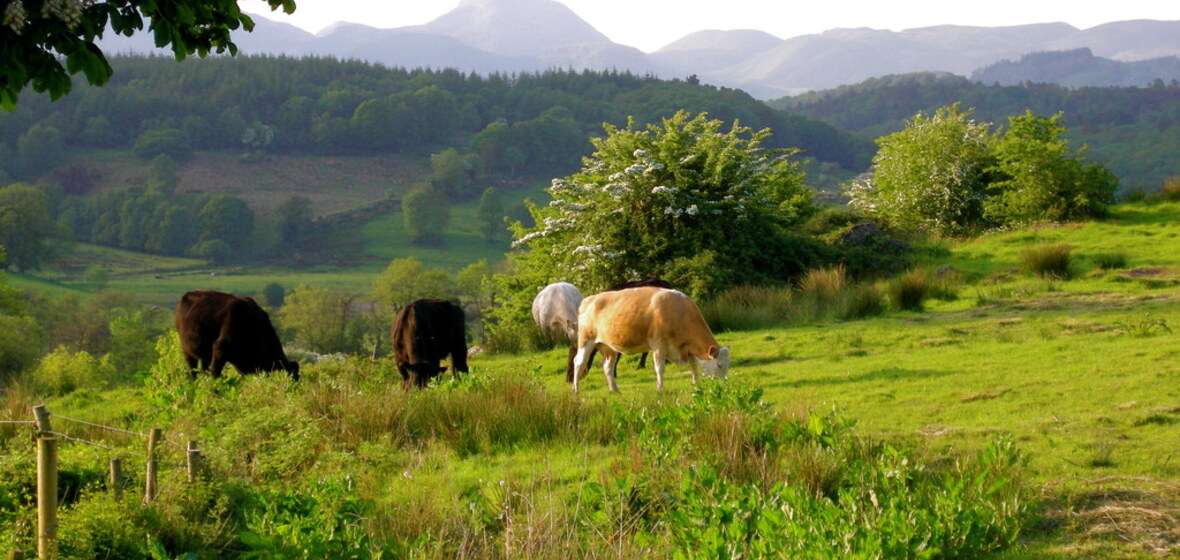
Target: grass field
<point>1081,373</point>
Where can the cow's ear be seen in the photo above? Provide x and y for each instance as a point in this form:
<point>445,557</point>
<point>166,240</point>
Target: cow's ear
<point>714,351</point>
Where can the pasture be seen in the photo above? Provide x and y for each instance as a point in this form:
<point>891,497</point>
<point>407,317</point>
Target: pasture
<point>1047,408</point>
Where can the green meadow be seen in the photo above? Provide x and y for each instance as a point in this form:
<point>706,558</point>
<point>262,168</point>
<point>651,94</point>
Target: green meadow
<point>1017,416</point>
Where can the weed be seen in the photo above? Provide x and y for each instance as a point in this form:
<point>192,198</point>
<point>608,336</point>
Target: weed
<point>1110,261</point>
<point>1146,326</point>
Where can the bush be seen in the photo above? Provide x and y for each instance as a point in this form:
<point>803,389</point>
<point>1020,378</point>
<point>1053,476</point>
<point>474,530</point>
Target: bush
<point>1171,189</point>
<point>62,371</point>
<point>1052,262</point>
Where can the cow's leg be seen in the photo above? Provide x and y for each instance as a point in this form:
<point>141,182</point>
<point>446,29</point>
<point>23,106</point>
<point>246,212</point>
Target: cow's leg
<point>192,366</point>
<point>581,362</point>
<point>658,360</point>
<point>642,360</point>
<point>569,365</point>
<point>406,378</point>
<point>695,370</point>
<point>219,359</point>
<point>610,360</point>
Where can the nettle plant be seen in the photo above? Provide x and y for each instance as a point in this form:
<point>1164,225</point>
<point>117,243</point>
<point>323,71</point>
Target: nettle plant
<point>683,200</point>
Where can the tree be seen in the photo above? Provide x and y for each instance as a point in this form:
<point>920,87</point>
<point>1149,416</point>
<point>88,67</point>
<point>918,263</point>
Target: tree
<point>226,219</point>
<point>451,173</point>
<point>170,141</point>
<point>930,175</point>
<point>320,319</point>
<point>406,280</point>
<point>294,221</point>
<point>40,150</point>
<point>1041,179</point>
<point>491,215</point>
<point>275,294</point>
<point>425,213</point>
<point>684,200</point>
<point>28,231</point>
<point>951,175</point>
<point>46,42</point>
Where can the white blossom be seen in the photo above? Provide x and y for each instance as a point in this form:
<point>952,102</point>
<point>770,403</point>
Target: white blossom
<point>661,189</point>
<point>691,210</point>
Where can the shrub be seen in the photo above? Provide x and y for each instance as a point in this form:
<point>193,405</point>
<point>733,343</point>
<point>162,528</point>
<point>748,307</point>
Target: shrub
<point>1171,189</point>
<point>62,371</point>
<point>1048,261</point>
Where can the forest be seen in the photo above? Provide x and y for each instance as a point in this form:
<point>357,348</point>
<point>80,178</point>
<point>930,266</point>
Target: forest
<point>1129,129</point>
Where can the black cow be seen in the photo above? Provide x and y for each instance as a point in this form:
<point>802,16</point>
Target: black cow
<point>423,334</point>
<point>216,328</point>
<point>645,281</point>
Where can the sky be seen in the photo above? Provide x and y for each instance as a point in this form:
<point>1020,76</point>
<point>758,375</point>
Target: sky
<point>651,24</point>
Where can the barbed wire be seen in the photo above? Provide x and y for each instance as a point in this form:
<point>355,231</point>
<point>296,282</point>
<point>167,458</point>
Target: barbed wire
<point>18,421</point>
<point>95,444</point>
<point>111,428</point>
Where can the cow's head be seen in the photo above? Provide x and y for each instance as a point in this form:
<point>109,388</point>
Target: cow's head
<point>292,369</point>
<point>718,363</point>
<point>421,373</point>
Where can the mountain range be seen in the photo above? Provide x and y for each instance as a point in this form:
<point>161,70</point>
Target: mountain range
<point>510,36</point>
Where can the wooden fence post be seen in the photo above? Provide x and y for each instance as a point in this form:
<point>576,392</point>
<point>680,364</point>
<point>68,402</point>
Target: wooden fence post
<point>149,493</point>
<point>116,478</point>
<point>193,460</point>
<point>46,497</point>
<point>42,417</point>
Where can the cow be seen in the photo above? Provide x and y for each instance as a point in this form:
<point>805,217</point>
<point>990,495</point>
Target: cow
<point>555,309</point>
<point>217,328</point>
<point>645,281</point>
<point>423,334</point>
<point>665,322</point>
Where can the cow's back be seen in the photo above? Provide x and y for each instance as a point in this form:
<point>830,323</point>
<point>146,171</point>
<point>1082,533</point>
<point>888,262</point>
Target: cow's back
<point>634,319</point>
<point>428,331</point>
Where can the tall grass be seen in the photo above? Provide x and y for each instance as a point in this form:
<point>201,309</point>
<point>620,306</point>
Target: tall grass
<point>822,295</point>
<point>1050,261</point>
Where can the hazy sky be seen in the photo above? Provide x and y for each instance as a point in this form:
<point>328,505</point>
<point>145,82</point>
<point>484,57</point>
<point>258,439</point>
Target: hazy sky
<point>651,24</point>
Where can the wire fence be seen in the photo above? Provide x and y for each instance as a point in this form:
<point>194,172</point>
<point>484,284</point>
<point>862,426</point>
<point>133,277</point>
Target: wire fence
<point>47,464</point>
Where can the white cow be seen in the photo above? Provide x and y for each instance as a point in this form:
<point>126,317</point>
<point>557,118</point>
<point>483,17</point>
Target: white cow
<point>664,322</point>
<point>555,309</point>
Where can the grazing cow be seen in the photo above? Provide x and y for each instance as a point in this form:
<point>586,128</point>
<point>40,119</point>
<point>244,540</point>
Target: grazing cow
<point>645,281</point>
<point>555,309</point>
<point>665,322</point>
<point>423,334</point>
<point>216,328</point>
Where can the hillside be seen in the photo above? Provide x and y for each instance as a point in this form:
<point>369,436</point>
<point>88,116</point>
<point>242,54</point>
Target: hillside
<point>1128,129</point>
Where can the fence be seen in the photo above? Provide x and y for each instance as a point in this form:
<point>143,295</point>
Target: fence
<point>47,470</point>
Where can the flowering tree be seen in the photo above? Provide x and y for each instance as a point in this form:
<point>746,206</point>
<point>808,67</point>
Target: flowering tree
<point>683,200</point>
<point>930,175</point>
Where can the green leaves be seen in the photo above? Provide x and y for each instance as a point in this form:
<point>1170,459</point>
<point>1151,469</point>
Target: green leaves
<point>30,56</point>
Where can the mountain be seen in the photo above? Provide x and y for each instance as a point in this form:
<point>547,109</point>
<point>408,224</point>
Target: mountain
<point>1078,68</point>
<point>535,35</point>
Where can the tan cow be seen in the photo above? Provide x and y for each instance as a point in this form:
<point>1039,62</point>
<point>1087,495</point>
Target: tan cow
<point>664,322</point>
